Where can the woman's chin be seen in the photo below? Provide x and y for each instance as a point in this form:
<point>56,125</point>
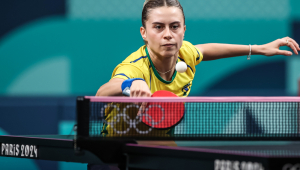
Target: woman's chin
<point>168,54</point>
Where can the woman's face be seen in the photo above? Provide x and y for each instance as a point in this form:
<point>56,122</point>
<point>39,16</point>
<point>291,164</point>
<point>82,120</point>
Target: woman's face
<point>164,31</point>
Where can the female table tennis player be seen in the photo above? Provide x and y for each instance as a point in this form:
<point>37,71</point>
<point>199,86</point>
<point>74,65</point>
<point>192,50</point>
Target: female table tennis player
<point>163,29</point>
<point>152,66</point>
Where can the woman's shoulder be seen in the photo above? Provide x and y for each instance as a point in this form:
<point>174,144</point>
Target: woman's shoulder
<point>189,53</point>
<point>136,56</point>
<point>135,65</point>
<point>187,49</point>
<point>137,59</point>
<point>187,46</point>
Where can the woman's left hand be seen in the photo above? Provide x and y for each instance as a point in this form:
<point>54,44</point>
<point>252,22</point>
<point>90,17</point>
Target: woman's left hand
<point>272,48</point>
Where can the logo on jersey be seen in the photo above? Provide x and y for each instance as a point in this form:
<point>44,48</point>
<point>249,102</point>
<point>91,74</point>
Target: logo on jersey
<point>186,88</point>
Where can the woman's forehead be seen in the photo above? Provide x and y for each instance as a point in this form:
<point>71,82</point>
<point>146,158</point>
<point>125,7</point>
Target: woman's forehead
<point>165,14</point>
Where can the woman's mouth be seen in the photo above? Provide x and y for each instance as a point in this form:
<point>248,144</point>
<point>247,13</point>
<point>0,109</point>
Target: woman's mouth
<point>169,45</point>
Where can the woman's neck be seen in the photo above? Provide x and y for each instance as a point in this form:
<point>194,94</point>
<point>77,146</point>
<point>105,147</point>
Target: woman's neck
<point>165,66</point>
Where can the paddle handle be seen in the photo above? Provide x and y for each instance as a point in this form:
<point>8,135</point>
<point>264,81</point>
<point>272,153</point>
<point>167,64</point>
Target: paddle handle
<point>126,91</point>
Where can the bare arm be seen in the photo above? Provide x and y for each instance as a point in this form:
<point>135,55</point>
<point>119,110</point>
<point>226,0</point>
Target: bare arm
<point>218,51</point>
<point>139,88</point>
<point>111,88</point>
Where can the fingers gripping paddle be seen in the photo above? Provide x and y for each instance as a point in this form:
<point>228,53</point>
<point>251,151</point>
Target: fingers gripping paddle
<point>163,115</point>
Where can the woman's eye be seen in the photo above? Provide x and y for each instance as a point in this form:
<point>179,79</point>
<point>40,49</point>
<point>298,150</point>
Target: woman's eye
<point>175,27</point>
<point>158,27</point>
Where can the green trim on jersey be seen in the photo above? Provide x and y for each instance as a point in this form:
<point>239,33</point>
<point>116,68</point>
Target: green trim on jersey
<point>172,131</point>
<point>104,131</point>
<point>156,73</point>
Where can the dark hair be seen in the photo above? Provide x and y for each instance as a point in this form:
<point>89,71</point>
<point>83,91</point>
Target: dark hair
<point>152,4</point>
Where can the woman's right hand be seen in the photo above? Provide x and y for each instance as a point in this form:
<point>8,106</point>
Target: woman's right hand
<point>139,88</point>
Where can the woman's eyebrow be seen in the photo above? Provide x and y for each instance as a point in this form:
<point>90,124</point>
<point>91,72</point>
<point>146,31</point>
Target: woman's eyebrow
<point>157,23</point>
<point>175,22</point>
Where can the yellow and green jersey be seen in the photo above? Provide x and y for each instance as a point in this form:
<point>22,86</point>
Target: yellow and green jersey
<point>139,65</point>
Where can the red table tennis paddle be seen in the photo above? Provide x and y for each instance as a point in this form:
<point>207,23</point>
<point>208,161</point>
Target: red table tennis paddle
<point>162,115</point>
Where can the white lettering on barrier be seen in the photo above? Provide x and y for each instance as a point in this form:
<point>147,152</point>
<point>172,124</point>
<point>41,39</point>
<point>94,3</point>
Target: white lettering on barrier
<point>26,150</point>
<point>291,167</point>
<point>11,148</point>
<point>17,150</point>
<point>2,148</point>
<point>35,151</point>
<point>236,165</point>
<point>6,149</point>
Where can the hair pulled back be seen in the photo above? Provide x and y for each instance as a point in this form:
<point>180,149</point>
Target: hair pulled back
<point>152,4</point>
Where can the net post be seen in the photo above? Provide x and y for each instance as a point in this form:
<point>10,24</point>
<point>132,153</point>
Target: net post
<point>83,113</point>
<point>299,87</point>
<point>298,108</point>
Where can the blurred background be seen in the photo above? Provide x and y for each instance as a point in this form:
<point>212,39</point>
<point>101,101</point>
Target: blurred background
<point>54,50</point>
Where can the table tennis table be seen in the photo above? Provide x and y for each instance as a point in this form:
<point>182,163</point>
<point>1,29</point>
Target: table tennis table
<point>130,154</point>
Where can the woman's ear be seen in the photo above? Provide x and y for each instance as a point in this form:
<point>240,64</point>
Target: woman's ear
<point>184,30</point>
<point>143,33</point>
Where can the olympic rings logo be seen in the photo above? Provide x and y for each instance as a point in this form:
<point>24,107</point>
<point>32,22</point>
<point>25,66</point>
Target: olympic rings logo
<point>291,167</point>
<point>132,122</point>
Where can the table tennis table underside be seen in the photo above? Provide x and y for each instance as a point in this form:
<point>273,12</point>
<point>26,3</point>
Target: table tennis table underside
<point>130,155</point>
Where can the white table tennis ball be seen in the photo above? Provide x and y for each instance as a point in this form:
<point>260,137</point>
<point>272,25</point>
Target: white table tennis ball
<point>181,67</point>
